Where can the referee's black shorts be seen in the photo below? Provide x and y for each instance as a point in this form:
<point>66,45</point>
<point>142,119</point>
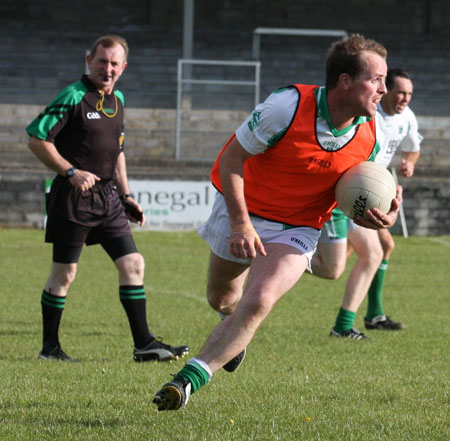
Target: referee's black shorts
<point>75,218</point>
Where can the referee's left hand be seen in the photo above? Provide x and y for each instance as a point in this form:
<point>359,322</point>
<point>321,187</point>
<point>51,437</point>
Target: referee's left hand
<point>133,211</point>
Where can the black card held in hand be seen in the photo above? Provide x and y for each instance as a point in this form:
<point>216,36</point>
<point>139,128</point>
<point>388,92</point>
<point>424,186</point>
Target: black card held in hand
<point>132,211</point>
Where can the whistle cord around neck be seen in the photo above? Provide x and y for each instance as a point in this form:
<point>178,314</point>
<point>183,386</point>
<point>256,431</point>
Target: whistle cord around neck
<point>99,106</point>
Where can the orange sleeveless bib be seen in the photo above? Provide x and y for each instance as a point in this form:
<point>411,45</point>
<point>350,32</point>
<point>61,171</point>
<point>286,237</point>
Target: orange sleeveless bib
<point>293,182</point>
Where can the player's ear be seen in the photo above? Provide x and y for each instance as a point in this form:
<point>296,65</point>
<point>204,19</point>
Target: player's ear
<point>345,80</point>
<point>89,61</point>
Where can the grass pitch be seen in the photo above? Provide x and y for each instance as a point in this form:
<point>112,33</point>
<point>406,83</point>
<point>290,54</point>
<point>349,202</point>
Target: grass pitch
<point>295,384</point>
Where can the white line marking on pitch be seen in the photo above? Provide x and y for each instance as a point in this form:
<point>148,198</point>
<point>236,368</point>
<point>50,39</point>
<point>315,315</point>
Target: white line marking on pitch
<point>180,293</point>
<point>441,241</point>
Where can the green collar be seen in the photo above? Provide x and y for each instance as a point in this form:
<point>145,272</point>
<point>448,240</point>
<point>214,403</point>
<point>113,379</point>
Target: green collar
<point>323,112</point>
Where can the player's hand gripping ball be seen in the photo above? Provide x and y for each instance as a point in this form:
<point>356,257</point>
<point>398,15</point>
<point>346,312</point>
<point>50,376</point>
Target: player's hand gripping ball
<point>363,187</point>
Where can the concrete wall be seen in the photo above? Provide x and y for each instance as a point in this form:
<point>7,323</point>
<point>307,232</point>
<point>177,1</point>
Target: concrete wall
<point>42,48</point>
<point>150,147</point>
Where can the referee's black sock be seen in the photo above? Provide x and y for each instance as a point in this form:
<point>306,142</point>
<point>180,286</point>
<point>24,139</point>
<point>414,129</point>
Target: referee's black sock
<point>52,309</point>
<point>133,300</point>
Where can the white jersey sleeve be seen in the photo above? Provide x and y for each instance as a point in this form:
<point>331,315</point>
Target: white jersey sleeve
<point>382,136</point>
<point>268,122</point>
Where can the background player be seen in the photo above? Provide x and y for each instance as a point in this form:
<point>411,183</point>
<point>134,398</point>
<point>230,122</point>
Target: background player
<point>404,135</point>
<point>370,246</point>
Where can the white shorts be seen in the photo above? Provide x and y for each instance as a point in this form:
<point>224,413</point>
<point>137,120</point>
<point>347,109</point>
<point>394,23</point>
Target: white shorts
<point>217,231</point>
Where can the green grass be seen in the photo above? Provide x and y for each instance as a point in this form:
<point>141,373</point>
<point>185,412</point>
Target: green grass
<point>296,382</point>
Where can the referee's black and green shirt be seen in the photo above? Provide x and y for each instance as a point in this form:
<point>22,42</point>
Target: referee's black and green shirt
<point>88,136</point>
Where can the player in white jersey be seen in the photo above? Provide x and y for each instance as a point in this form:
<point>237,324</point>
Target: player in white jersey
<point>371,247</point>
<point>400,121</point>
<point>403,135</point>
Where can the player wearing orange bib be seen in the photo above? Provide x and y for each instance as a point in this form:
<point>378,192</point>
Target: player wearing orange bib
<point>293,181</point>
<point>276,179</point>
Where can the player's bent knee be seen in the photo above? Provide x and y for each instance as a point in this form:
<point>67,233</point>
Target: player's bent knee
<point>378,253</point>
<point>373,256</point>
<point>388,247</point>
<point>224,304</point>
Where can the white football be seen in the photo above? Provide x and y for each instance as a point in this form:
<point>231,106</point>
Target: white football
<point>363,187</point>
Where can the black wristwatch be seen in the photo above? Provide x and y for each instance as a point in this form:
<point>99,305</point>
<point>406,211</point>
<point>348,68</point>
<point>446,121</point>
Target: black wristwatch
<point>71,172</point>
<point>125,196</point>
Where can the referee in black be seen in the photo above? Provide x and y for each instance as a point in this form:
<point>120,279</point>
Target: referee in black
<point>80,135</point>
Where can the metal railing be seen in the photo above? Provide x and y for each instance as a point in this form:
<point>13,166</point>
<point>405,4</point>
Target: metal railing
<point>187,79</point>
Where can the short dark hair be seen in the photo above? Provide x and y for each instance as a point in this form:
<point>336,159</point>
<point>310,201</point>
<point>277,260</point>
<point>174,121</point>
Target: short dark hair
<point>110,41</point>
<point>392,74</point>
<point>345,56</point>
